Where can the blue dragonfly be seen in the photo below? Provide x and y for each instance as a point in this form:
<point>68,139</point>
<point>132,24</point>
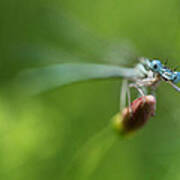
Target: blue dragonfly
<point>144,76</point>
<point>152,73</point>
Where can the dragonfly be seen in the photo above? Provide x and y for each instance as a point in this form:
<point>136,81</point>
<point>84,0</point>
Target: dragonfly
<point>152,73</point>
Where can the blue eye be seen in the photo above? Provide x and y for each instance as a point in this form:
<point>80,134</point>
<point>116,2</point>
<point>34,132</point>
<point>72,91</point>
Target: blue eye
<point>176,77</point>
<point>156,66</point>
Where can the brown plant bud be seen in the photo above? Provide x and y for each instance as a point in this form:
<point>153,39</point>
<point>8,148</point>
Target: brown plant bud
<point>134,117</point>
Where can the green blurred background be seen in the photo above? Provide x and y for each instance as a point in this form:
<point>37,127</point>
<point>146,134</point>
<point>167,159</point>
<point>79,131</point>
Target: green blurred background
<point>40,135</point>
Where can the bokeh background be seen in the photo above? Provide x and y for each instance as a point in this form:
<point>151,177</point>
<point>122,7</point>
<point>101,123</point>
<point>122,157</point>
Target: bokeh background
<point>40,135</point>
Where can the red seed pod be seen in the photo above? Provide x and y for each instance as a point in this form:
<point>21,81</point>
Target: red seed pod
<point>135,116</point>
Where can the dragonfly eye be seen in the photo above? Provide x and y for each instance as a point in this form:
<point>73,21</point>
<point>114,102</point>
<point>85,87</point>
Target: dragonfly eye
<point>156,66</point>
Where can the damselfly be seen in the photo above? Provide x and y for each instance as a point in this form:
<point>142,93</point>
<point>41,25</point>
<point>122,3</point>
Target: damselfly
<point>152,73</point>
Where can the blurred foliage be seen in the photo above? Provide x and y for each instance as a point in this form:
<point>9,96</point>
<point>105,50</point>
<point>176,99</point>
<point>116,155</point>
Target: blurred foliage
<point>40,136</point>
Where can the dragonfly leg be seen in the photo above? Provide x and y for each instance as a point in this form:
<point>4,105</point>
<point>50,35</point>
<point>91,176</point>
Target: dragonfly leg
<point>174,86</point>
<point>134,85</point>
<point>141,92</point>
<point>147,82</point>
<point>125,90</point>
<point>123,94</point>
<point>129,99</point>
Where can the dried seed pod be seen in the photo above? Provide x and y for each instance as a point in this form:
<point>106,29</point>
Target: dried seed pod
<point>134,117</point>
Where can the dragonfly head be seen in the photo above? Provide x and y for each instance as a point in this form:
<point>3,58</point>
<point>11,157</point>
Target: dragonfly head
<point>155,66</point>
<point>176,77</point>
